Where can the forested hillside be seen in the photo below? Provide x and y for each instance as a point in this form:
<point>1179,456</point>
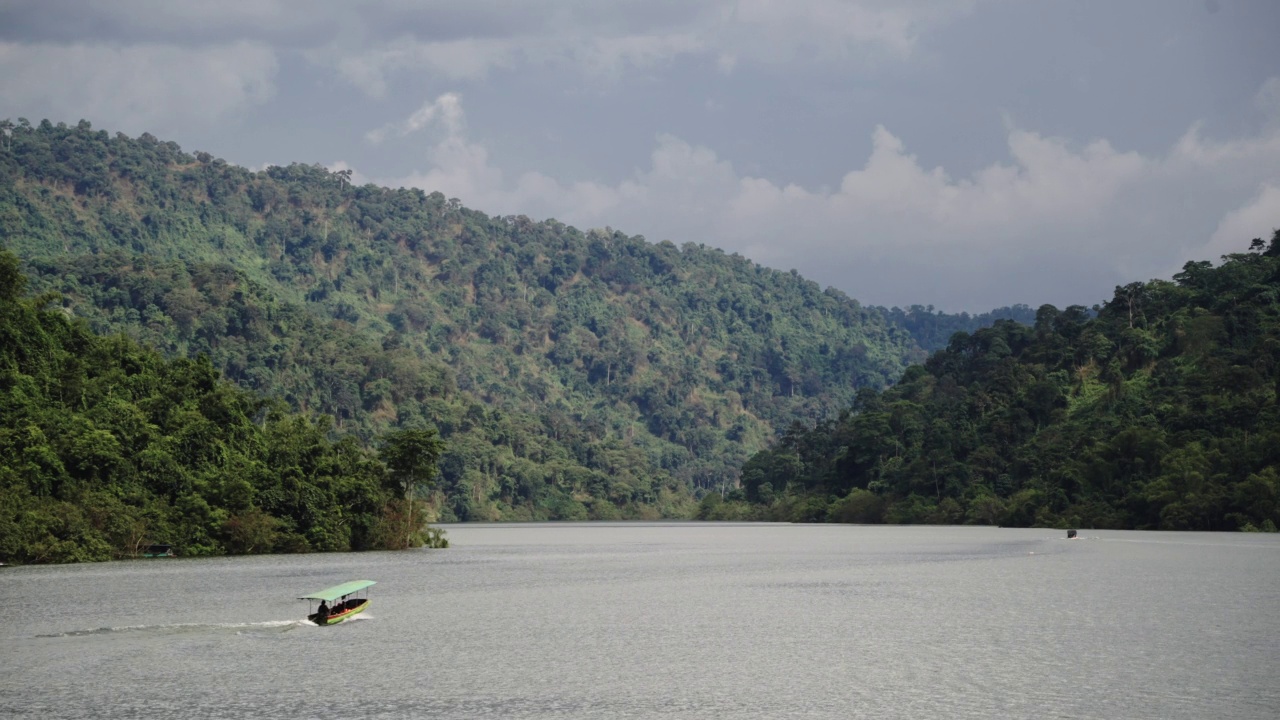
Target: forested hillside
<point>572,374</point>
<point>1158,412</point>
<point>932,329</point>
<point>106,447</point>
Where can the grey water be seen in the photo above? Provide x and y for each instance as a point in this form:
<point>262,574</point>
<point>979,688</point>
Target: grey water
<point>684,620</point>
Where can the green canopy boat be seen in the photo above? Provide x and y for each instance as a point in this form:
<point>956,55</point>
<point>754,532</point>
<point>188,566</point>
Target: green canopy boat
<point>336,603</point>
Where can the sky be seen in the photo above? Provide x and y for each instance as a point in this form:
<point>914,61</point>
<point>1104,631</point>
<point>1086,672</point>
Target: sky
<point>966,154</point>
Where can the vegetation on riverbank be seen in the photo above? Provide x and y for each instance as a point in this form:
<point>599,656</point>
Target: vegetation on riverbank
<point>1159,410</point>
<point>106,447</point>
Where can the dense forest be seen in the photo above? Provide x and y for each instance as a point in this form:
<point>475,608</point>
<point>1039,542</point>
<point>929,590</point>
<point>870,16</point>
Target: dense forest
<point>571,374</point>
<point>106,447</point>
<point>589,374</point>
<point>932,329</point>
<point>1157,409</point>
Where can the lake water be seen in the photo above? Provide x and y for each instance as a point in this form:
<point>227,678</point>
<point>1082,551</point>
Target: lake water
<point>679,620</point>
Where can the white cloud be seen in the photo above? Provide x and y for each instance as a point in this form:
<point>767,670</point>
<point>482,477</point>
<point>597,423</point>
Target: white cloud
<point>136,88</point>
<point>445,111</point>
<point>1259,218</point>
<point>895,231</point>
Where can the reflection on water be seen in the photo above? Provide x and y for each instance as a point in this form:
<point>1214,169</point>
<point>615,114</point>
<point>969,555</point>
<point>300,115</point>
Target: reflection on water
<point>667,620</point>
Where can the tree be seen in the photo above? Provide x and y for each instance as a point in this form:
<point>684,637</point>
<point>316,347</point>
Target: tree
<point>12,282</point>
<point>411,455</point>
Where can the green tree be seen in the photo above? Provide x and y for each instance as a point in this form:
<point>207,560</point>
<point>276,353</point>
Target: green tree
<point>411,456</point>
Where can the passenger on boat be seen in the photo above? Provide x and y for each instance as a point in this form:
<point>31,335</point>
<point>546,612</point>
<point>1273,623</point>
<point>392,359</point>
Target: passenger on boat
<point>324,609</point>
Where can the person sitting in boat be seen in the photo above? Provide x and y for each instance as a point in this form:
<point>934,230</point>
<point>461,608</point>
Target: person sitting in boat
<point>323,612</point>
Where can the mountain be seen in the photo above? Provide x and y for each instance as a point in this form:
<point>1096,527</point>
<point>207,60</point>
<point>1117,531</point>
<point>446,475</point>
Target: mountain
<point>1157,410</point>
<point>571,373</point>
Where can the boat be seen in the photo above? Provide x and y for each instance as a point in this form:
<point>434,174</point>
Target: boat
<point>337,603</point>
<point>159,551</point>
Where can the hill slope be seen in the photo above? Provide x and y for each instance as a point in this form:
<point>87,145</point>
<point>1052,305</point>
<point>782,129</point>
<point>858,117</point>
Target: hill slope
<point>1160,412</point>
<point>106,447</point>
<point>571,373</point>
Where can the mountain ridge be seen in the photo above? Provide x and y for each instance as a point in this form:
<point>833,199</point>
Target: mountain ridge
<point>573,374</point>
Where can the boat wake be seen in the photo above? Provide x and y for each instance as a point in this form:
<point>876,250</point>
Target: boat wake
<point>280,625</point>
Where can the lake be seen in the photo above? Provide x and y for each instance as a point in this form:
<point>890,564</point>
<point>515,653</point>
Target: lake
<point>680,620</point>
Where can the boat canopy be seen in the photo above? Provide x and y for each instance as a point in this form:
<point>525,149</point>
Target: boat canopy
<point>337,591</point>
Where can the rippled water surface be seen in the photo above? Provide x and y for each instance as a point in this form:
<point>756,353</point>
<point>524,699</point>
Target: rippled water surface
<point>667,620</point>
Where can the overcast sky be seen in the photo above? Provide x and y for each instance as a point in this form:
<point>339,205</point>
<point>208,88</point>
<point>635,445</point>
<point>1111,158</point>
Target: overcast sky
<point>961,153</point>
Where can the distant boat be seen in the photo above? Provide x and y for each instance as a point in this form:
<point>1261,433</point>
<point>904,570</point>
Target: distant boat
<point>336,603</point>
<point>158,551</point>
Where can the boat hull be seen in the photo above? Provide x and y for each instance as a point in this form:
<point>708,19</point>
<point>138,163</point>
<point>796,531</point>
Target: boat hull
<point>336,617</point>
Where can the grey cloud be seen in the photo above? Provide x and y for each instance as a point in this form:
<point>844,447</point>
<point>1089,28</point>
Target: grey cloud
<point>314,22</point>
<point>139,88</point>
<point>371,44</point>
<point>161,22</point>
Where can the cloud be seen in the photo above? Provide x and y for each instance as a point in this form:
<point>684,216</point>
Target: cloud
<point>466,59</point>
<point>1268,99</point>
<point>609,56</point>
<point>136,88</point>
<point>445,111</point>
<point>832,28</point>
<point>604,41</point>
<point>370,44</point>
<point>1258,218</point>
<point>897,232</point>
